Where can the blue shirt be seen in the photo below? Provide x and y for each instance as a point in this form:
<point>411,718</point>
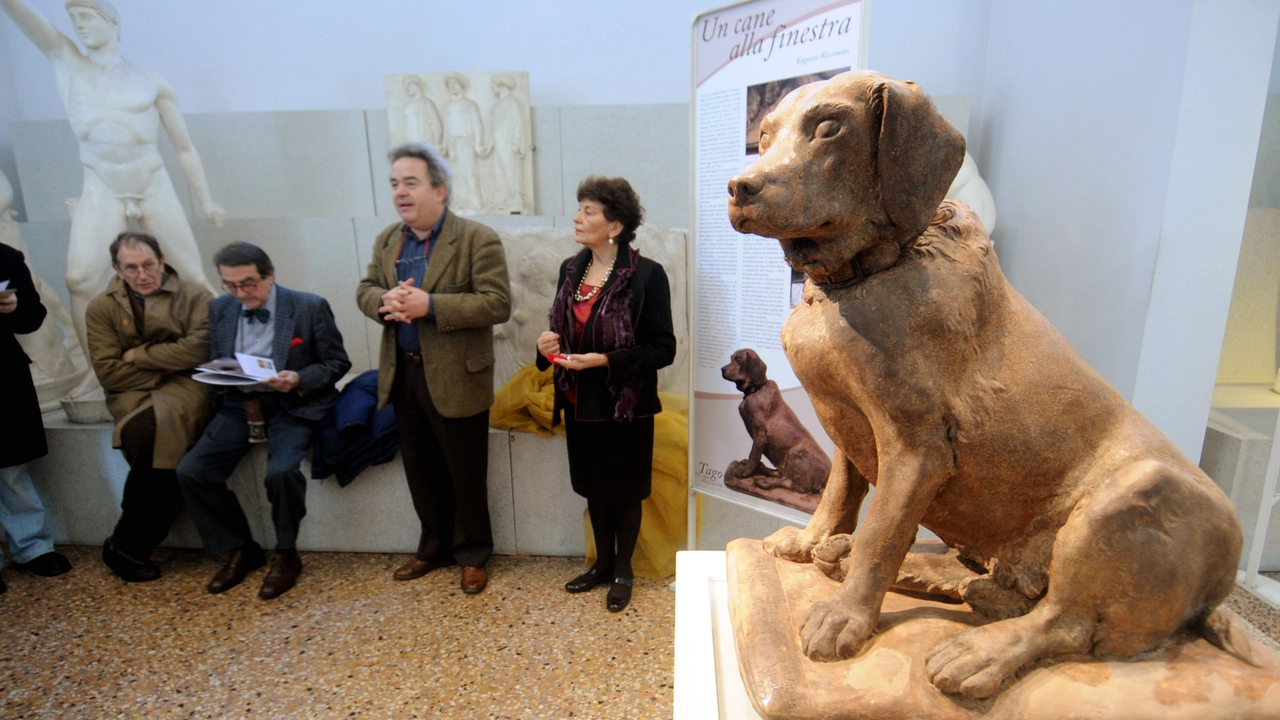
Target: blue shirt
<point>257,338</point>
<point>412,263</point>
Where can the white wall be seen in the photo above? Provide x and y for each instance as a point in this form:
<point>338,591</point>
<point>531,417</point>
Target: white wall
<point>940,44</point>
<point>1118,142</point>
<point>1229,59</point>
<point>247,55</point>
<point>1080,112</point>
<point>8,112</point>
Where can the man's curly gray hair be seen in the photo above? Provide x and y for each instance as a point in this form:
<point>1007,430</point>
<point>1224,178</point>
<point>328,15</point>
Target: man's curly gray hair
<point>437,167</point>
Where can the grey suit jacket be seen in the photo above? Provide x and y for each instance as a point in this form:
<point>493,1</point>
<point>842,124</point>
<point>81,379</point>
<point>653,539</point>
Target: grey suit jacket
<point>307,341</point>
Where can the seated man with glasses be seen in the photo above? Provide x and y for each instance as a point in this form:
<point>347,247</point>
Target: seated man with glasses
<point>297,331</point>
<point>145,334</point>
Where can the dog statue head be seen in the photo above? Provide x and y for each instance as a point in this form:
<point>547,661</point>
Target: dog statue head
<point>850,169</point>
<point>745,370</point>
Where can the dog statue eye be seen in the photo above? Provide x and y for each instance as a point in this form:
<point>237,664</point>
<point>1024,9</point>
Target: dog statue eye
<point>764,142</point>
<point>826,129</point>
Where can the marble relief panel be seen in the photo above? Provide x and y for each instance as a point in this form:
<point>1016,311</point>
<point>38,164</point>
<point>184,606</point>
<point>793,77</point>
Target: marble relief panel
<point>482,125</point>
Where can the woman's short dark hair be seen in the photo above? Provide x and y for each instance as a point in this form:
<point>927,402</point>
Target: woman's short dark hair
<point>134,238</point>
<point>242,253</point>
<point>620,203</point>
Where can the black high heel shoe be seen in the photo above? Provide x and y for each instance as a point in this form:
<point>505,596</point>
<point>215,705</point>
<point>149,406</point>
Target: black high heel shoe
<point>619,594</point>
<point>593,577</point>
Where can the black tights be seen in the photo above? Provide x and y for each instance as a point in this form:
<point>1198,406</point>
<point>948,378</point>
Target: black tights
<point>616,529</point>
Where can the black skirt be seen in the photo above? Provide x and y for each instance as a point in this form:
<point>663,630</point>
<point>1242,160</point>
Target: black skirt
<point>610,462</point>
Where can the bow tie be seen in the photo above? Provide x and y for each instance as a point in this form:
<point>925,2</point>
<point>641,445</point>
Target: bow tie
<point>262,315</point>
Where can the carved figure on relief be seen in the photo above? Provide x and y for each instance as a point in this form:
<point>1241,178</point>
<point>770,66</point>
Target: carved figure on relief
<point>536,256</point>
<point>487,136</point>
<point>421,119</point>
<point>1073,522</point>
<point>464,145</point>
<point>510,145</point>
<point>116,110</point>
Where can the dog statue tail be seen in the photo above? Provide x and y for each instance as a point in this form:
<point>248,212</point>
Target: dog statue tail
<point>1226,631</point>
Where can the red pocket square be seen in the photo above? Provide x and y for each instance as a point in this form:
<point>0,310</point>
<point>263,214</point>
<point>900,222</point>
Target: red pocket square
<point>295,342</point>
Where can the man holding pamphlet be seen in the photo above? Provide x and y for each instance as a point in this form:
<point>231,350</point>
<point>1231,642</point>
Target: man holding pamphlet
<point>145,334</point>
<point>288,351</point>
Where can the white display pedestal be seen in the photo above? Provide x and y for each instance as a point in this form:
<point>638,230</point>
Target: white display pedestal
<point>707,682</point>
<point>1248,396</point>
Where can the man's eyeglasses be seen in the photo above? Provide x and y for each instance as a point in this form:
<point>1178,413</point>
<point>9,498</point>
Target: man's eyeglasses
<point>244,285</point>
<point>149,267</point>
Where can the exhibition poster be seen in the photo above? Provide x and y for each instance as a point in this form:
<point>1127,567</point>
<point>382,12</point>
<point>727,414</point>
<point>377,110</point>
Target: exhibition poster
<point>746,58</point>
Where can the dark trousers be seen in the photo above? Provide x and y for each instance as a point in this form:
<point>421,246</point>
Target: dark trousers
<point>151,497</point>
<point>446,463</point>
<point>203,474</point>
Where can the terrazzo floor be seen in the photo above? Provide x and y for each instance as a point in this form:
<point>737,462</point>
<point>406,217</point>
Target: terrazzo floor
<point>348,641</point>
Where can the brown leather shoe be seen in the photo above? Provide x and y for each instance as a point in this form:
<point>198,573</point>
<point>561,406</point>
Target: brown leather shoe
<point>416,568</point>
<point>474,579</point>
<point>240,563</point>
<point>283,574</point>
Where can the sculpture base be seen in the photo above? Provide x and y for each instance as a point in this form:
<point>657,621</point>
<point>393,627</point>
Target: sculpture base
<point>790,498</point>
<point>768,598</point>
<point>52,391</point>
<point>87,409</point>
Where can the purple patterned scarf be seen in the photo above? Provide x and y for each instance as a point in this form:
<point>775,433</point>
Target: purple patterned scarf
<point>612,329</point>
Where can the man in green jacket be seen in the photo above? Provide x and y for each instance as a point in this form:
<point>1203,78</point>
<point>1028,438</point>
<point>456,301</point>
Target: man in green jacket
<point>146,332</point>
<point>438,284</point>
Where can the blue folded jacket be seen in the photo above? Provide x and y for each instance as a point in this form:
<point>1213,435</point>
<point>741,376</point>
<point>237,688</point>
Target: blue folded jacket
<point>356,434</point>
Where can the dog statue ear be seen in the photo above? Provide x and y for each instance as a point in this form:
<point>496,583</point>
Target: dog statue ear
<point>919,154</point>
<point>756,370</point>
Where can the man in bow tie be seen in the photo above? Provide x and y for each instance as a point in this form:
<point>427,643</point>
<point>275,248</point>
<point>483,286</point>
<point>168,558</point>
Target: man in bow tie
<point>296,330</point>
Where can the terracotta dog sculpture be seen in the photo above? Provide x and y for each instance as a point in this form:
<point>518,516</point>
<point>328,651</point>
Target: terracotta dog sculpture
<point>799,464</point>
<point>1069,515</point>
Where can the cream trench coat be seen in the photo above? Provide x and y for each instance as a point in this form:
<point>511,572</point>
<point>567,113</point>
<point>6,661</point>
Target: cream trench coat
<point>174,340</point>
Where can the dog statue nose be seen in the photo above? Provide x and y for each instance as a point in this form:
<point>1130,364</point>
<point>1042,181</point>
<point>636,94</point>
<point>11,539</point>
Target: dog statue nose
<point>745,188</point>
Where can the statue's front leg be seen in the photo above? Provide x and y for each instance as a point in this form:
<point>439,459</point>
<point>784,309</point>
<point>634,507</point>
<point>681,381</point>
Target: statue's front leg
<point>837,513</point>
<point>838,627</point>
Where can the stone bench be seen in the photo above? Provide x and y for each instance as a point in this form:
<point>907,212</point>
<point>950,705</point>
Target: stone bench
<point>533,509</point>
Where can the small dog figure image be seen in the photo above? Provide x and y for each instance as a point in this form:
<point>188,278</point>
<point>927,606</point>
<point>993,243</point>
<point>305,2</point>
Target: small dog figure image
<point>800,467</point>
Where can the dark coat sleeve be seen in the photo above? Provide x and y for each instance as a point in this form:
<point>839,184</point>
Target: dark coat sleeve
<point>329,360</point>
<point>30,313</point>
<point>655,346</point>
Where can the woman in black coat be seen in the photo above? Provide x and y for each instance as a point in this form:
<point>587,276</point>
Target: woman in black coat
<point>610,333</point>
<point>21,511</point>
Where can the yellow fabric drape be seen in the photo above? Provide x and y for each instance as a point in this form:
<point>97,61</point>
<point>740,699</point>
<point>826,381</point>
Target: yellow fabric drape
<point>526,402</point>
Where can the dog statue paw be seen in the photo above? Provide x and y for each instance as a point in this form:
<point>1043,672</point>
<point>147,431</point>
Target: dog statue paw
<point>790,543</point>
<point>831,556</point>
<point>834,629</point>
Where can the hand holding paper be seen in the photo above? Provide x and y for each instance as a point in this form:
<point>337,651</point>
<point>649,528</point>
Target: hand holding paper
<point>285,381</point>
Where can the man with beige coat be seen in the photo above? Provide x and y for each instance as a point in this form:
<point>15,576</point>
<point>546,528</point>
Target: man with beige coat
<point>438,284</point>
<point>146,332</point>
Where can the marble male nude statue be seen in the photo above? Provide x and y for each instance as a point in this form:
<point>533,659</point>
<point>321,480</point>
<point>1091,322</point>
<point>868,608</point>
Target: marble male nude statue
<point>116,110</point>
